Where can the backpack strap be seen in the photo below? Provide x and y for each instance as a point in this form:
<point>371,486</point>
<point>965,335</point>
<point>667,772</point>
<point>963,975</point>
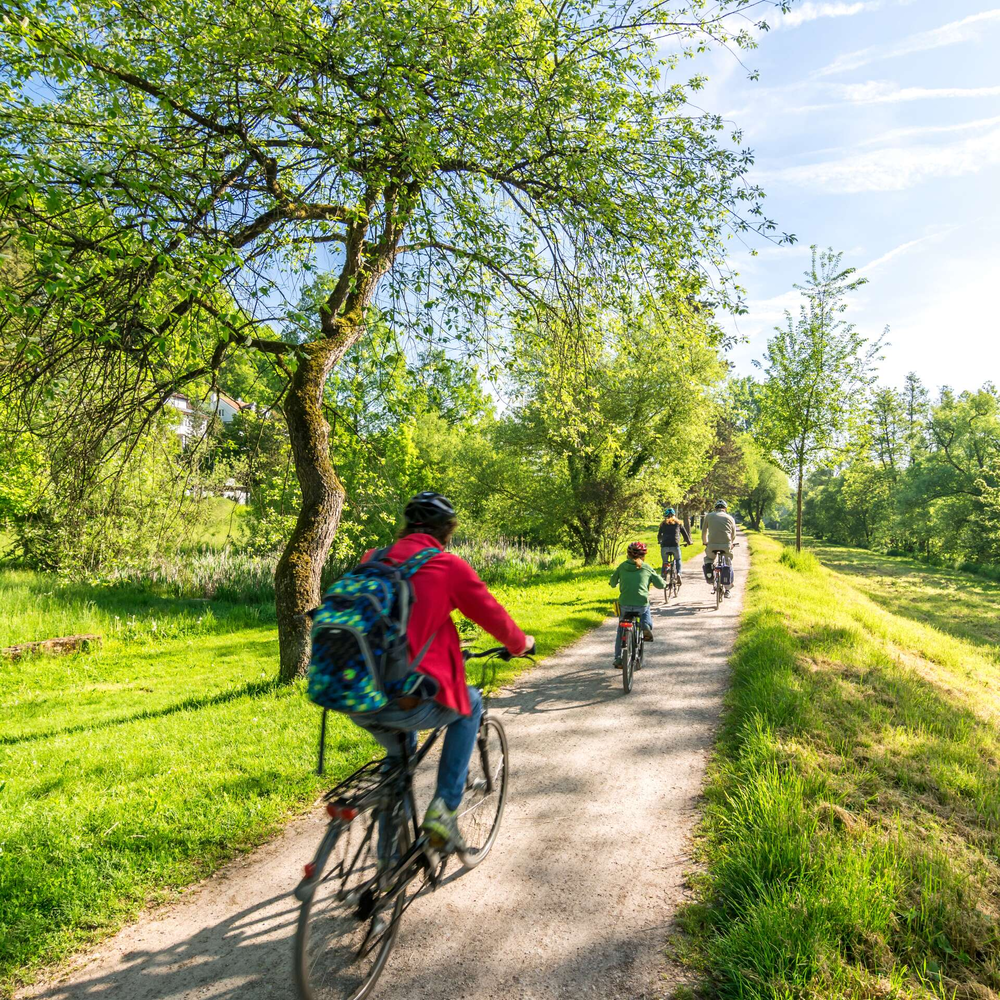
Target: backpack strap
<point>417,561</point>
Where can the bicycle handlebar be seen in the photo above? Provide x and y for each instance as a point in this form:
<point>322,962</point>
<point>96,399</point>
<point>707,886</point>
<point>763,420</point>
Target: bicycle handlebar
<point>498,651</point>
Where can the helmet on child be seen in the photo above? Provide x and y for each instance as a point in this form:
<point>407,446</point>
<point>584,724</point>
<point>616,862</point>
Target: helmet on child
<point>721,505</point>
<point>669,512</point>
<point>637,550</point>
<point>429,510</point>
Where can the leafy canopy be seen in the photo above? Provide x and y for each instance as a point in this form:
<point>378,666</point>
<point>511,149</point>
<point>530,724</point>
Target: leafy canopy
<point>175,173</point>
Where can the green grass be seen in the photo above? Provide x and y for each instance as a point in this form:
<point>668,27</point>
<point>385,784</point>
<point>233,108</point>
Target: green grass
<point>852,831</point>
<point>960,603</point>
<point>130,772</point>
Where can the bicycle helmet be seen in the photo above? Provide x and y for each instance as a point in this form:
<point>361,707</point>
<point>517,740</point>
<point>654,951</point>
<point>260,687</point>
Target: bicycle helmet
<point>721,505</point>
<point>669,512</point>
<point>637,549</point>
<point>429,510</point>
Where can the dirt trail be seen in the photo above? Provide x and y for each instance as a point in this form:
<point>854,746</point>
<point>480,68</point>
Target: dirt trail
<point>576,898</point>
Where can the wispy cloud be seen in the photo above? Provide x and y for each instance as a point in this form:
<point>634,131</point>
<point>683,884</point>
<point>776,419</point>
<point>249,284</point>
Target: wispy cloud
<point>895,168</point>
<point>953,33</point>
<point>810,11</point>
<point>886,92</point>
<point>918,131</point>
<point>902,249</point>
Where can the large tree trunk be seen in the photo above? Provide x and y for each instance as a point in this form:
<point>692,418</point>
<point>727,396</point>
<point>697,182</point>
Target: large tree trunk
<point>798,512</point>
<point>297,577</point>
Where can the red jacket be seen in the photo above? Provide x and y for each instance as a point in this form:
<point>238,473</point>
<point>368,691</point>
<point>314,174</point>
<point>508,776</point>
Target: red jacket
<point>442,585</point>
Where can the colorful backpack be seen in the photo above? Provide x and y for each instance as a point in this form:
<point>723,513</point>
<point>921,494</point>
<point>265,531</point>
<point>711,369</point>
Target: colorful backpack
<point>360,659</point>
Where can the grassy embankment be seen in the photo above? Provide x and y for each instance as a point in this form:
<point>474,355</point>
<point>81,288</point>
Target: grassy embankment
<point>852,832</point>
<point>132,771</point>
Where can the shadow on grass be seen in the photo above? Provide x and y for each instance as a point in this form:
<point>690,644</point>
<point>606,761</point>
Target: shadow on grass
<point>251,689</point>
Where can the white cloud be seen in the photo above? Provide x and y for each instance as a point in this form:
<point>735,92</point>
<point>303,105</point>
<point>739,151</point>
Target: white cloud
<point>903,248</point>
<point>886,92</point>
<point>978,125</point>
<point>810,11</point>
<point>895,168</point>
<point>952,33</point>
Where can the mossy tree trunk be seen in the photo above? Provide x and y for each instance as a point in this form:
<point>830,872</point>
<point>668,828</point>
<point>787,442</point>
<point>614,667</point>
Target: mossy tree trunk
<point>297,577</point>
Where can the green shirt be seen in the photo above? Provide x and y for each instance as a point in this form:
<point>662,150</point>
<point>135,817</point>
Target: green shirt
<point>634,582</point>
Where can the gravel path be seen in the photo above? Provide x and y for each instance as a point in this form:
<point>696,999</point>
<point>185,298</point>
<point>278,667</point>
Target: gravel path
<point>575,900</point>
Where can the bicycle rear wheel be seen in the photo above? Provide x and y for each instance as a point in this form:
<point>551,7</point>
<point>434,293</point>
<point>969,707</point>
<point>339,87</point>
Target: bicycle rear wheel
<point>628,665</point>
<point>344,936</point>
<point>481,810</point>
<point>718,594</point>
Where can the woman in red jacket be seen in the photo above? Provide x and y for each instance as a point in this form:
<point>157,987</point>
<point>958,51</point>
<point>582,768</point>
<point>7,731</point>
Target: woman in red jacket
<point>445,583</point>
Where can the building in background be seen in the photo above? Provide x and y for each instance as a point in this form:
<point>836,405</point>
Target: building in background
<point>195,414</point>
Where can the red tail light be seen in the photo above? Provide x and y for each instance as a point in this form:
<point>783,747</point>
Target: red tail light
<point>310,869</point>
<point>625,624</point>
<point>345,813</point>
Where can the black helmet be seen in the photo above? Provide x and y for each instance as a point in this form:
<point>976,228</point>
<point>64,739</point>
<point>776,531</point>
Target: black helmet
<point>429,510</point>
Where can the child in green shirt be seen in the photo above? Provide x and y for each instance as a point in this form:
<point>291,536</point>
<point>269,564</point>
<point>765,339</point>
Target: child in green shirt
<point>633,578</point>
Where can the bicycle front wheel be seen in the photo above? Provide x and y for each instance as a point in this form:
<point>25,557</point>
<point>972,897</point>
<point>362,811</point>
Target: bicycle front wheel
<point>345,930</point>
<point>481,810</point>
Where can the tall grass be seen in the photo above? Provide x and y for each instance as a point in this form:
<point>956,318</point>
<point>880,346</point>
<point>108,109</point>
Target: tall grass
<point>230,574</point>
<point>852,833</point>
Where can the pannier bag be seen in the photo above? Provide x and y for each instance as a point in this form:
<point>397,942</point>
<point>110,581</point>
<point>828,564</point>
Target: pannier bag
<point>360,660</point>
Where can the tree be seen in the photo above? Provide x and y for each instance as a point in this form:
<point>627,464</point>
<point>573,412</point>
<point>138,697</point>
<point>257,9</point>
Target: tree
<point>180,176</point>
<point>765,487</point>
<point>814,366</point>
<point>610,417</point>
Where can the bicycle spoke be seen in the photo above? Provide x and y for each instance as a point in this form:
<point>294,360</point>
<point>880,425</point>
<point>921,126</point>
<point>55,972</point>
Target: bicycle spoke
<point>349,924</point>
<point>486,789</point>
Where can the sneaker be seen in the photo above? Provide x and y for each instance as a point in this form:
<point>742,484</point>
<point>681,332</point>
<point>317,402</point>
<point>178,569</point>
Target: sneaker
<point>618,663</point>
<point>679,582</point>
<point>441,825</point>
<point>647,635</point>
<point>725,593</point>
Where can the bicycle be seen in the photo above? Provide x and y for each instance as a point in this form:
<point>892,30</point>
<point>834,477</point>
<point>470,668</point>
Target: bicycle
<point>720,587</point>
<point>373,859</point>
<point>632,644</point>
<point>671,578</point>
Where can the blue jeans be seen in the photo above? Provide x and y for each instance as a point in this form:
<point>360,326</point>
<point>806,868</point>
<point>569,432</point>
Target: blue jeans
<point>645,618</point>
<point>459,740</point>
<point>665,550</point>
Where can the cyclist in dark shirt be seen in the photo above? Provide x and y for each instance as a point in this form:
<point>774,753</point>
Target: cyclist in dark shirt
<point>669,536</point>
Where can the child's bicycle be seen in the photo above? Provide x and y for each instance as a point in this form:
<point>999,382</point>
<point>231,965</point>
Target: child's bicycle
<point>671,578</point>
<point>373,860</point>
<point>632,644</point>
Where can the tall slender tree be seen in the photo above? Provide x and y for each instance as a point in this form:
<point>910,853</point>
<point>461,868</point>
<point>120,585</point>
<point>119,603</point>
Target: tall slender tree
<point>815,368</point>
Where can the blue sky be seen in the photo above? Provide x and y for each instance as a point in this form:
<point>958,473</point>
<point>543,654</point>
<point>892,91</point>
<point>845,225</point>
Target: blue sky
<point>876,126</point>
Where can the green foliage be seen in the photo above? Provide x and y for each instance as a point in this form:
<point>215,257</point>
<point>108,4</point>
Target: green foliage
<point>814,366</point>
<point>850,838</point>
<point>764,488</point>
<point>916,477</point>
<point>610,418</point>
<point>84,516</point>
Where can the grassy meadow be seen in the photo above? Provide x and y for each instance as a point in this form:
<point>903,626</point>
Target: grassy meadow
<point>852,831</point>
<point>134,770</point>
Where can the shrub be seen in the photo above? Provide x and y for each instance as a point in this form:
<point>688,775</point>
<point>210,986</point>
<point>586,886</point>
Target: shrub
<point>801,562</point>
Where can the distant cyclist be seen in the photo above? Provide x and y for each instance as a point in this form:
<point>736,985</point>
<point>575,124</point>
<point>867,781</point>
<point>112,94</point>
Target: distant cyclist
<point>633,578</point>
<point>718,532</point>
<point>671,532</point>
